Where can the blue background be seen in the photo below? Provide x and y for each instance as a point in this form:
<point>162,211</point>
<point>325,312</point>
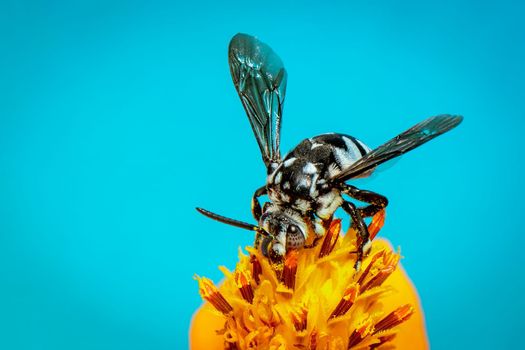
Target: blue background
<point>118,118</point>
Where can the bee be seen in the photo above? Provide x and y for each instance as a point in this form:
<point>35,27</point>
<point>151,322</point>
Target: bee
<point>309,184</point>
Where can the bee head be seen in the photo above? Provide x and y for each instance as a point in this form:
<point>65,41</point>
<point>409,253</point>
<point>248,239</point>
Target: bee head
<point>286,231</point>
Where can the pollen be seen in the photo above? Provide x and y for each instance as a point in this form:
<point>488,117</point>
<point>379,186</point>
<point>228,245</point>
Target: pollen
<point>315,300</point>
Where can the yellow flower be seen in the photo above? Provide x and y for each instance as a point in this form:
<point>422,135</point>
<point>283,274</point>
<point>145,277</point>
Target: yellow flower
<point>315,300</point>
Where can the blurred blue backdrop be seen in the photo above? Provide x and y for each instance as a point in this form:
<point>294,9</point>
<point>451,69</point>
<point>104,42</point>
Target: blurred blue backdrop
<point>117,118</point>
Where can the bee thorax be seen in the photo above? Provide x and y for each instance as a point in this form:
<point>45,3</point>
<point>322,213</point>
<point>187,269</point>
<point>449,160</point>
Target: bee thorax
<point>301,180</point>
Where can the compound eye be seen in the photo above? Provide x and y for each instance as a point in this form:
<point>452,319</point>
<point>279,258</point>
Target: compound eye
<point>294,238</point>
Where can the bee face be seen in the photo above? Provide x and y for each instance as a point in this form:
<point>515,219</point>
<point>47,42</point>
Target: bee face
<point>286,229</point>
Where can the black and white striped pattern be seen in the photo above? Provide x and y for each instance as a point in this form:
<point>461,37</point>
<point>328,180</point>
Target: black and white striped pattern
<point>301,179</point>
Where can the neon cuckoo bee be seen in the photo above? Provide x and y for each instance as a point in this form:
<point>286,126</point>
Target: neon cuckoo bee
<point>306,186</point>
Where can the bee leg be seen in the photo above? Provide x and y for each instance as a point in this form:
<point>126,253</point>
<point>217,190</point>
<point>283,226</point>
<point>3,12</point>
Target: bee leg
<point>257,212</point>
<point>376,202</point>
<point>259,240</point>
<point>319,226</point>
<point>362,231</point>
<point>256,205</point>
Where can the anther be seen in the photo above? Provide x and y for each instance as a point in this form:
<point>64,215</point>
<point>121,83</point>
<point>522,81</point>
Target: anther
<point>346,302</point>
<point>300,318</point>
<point>359,334</point>
<point>210,293</point>
<point>243,283</point>
<point>289,270</point>
<point>256,268</point>
<point>394,318</point>
<point>329,239</point>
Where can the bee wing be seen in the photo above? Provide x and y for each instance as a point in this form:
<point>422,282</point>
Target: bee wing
<point>408,140</point>
<point>260,79</point>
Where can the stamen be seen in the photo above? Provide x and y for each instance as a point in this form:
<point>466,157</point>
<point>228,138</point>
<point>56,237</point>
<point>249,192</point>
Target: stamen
<point>378,220</point>
<point>300,318</point>
<point>394,318</point>
<point>231,346</point>
<point>243,283</point>
<point>290,270</point>
<point>346,302</point>
<point>391,259</point>
<point>379,278</point>
<point>209,292</point>
<point>313,340</point>
<point>256,268</point>
<point>329,239</point>
<point>369,266</point>
<point>359,334</point>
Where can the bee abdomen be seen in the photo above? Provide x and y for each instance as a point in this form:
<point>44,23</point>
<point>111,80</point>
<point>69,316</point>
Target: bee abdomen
<point>345,150</point>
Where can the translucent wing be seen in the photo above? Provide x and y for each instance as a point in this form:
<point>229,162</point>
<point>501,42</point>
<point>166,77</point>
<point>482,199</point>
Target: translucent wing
<point>260,79</point>
<point>410,139</point>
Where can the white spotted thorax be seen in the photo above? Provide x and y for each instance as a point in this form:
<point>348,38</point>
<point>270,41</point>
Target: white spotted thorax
<point>298,186</point>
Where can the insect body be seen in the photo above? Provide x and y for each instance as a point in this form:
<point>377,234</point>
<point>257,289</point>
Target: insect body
<point>308,185</point>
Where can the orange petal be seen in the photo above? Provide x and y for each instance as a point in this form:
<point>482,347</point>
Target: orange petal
<point>202,330</point>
